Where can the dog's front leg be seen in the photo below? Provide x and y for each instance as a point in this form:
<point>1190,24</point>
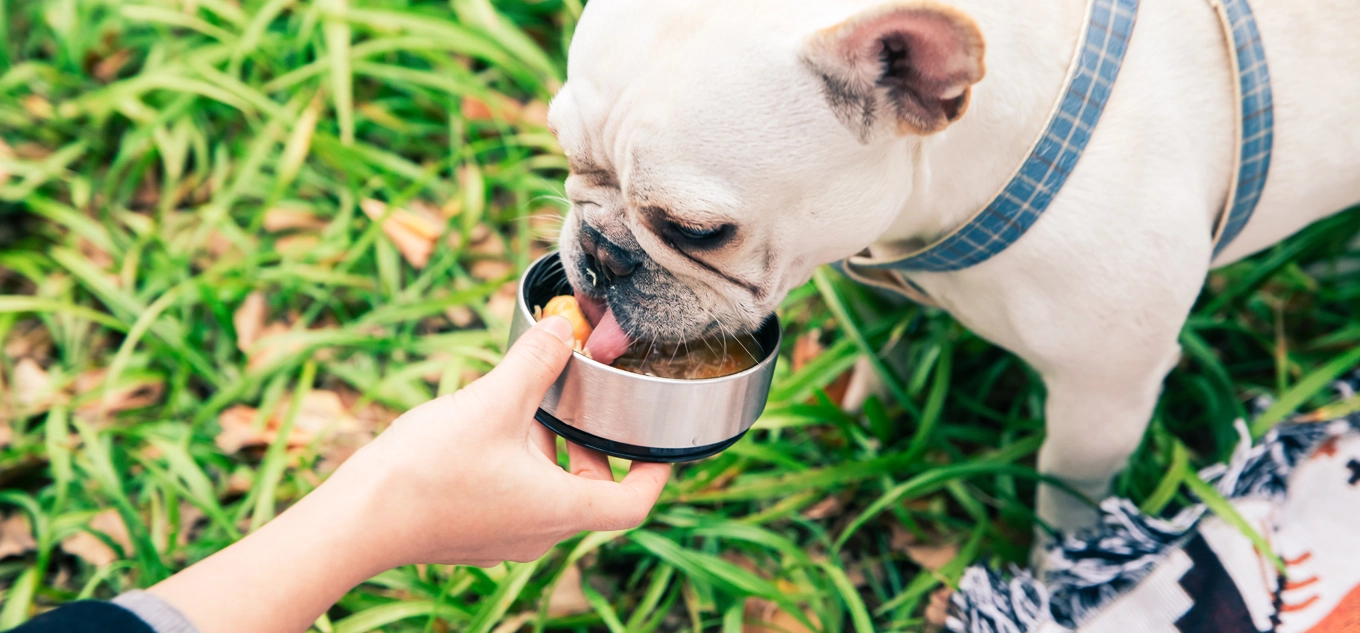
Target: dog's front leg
<point>1096,417</point>
<point>1102,328</point>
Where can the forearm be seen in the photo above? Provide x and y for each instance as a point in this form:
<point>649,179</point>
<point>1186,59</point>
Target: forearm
<point>282,577</point>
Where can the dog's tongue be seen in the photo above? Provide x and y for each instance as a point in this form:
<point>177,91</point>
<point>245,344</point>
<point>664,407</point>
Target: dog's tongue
<point>593,308</point>
<point>608,341</point>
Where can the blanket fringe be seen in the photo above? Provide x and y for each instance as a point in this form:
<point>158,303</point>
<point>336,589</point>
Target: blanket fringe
<point>1085,571</point>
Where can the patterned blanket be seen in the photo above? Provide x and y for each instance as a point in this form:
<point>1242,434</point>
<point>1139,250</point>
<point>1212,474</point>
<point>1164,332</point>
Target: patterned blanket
<point>1299,488</point>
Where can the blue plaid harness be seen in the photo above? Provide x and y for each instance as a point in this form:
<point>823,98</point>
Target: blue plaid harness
<point>1090,80</point>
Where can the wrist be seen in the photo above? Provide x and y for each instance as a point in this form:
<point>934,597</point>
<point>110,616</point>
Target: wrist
<point>345,516</point>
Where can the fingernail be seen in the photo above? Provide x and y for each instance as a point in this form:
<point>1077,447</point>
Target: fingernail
<point>561,327</point>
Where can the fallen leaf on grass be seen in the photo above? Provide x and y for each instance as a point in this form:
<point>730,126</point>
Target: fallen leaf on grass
<point>322,417</point>
<point>292,219</point>
<point>568,598</point>
<point>297,246</point>
<point>5,154</point>
<point>500,107</point>
<point>16,535</point>
<point>764,616</point>
<point>828,507</point>
<point>265,352</point>
<point>32,151</point>
<point>413,234</point>
<point>249,320</point>
<point>94,550</point>
<point>937,610</point>
<point>502,303</point>
<point>489,269</point>
<point>6,433</point>
<point>514,623</point>
<point>805,349</point>
<point>33,390</point>
<point>37,107</point>
<point>535,113</point>
<point>29,339</point>
<point>931,556</point>
<point>461,317</point>
<point>130,393</point>
<point>106,69</point>
<point>97,256</point>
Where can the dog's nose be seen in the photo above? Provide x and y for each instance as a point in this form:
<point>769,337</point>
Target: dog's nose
<point>605,257</point>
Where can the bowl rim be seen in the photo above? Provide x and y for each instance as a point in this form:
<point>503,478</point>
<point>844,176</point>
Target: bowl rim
<point>765,364</point>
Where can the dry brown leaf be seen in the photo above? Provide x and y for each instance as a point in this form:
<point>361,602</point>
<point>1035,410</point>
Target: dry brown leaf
<point>238,429</point>
<point>37,107</point>
<point>33,388</point>
<point>249,320</point>
<point>937,610</point>
<point>461,317</point>
<point>292,219</point>
<point>6,433</point>
<point>189,517</point>
<point>16,535</point>
<point>111,523</point>
<point>535,113</point>
<point>94,550</point>
<point>240,483</point>
<point>932,557</point>
<point>297,246</point>
<point>96,255</point>
<point>501,107</point>
<point>502,303</point>
<point>29,150</point>
<point>265,351</point>
<point>89,548</point>
<point>486,243</point>
<point>413,234</point>
<point>5,154</point>
<point>29,339</point>
<point>828,507</point>
<point>514,623</point>
<point>805,349</point>
<point>568,598</point>
<point>764,616</point>
<point>489,269</point>
<point>107,69</point>
<point>322,416</point>
<point>131,393</point>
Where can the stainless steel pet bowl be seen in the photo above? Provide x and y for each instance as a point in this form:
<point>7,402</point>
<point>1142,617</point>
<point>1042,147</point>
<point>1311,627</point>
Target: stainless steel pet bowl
<point>641,417</point>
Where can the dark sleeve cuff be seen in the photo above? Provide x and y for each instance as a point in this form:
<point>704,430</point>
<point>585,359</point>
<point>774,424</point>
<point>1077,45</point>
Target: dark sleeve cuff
<point>86,616</point>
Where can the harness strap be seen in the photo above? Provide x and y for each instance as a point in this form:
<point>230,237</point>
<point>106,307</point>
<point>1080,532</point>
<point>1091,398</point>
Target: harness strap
<point>1090,79</point>
<point>1254,120</point>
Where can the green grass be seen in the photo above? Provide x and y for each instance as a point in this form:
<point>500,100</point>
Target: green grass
<point>145,144</point>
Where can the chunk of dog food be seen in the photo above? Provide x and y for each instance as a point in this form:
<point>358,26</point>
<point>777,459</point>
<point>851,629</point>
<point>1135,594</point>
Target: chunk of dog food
<point>691,360</point>
<point>566,306</point>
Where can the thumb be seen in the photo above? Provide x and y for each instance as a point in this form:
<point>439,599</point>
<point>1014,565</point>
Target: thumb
<point>623,505</point>
<point>533,363</point>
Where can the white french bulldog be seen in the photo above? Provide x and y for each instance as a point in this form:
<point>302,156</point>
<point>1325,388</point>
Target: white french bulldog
<point>722,149</point>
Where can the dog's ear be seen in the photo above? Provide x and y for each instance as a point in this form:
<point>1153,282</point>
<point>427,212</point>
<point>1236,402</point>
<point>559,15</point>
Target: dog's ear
<point>902,68</point>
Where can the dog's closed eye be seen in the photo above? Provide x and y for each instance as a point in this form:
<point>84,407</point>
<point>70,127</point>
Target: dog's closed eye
<point>698,236</point>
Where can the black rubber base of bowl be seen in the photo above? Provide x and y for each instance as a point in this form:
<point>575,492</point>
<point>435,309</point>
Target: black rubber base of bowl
<point>629,451</point>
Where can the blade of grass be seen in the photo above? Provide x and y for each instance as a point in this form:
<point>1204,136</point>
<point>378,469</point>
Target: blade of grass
<point>1303,391</point>
<point>1225,510</point>
<point>275,458</point>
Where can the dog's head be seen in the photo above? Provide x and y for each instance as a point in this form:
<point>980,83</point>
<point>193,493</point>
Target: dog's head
<point>722,150</point>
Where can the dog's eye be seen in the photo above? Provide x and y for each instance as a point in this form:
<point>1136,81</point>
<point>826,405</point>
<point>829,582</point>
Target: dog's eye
<point>699,234</point>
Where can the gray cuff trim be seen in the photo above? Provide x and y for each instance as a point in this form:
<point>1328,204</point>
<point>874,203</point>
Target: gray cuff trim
<point>160,615</point>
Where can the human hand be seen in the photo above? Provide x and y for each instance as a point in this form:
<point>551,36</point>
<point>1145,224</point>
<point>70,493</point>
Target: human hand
<point>471,478</point>
<point>467,478</point>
